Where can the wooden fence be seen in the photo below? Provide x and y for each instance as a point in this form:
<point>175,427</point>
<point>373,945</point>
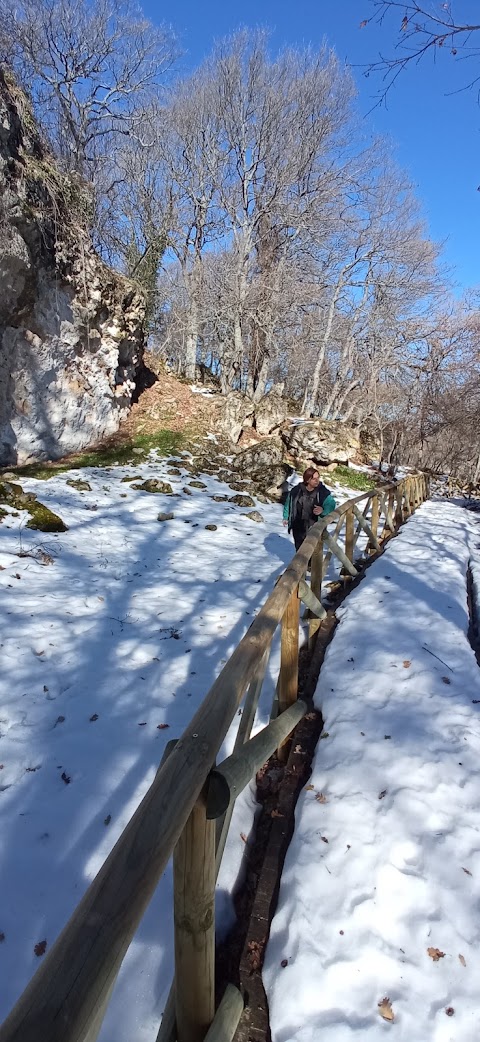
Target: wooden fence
<point>187,809</point>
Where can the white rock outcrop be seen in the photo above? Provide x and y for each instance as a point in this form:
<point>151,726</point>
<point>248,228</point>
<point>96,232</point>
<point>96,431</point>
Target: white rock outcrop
<point>71,330</point>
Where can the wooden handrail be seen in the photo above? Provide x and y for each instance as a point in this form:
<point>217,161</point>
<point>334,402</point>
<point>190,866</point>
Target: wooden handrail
<point>66,999</point>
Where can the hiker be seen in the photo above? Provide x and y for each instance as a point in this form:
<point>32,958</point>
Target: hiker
<point>305,503</point>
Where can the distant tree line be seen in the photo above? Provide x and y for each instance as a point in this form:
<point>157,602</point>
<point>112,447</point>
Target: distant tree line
<point>278,245</point>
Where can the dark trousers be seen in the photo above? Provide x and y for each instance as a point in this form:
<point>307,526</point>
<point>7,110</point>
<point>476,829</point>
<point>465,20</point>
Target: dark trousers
<point>299,531</point>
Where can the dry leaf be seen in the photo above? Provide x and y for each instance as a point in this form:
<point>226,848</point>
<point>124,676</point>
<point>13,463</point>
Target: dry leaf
<point>324,839</point>
<point>385,1009</point>
<point>40,948</point>
<point>107,820</point>
<point>298,749</point>
<point>382,794</point>
<point>435,954</point>
<point>276,814</point>
<point>309,788</point>
<point>243,837</point>
<point>162,727</point>
<point>284,963</point>
<point>93,718</point>
<point>449,1011</point>
<point>462,960</point>
<point>320,798</point>
<point>446,680</point>
<point>406,663</point>
<point>467,873</point>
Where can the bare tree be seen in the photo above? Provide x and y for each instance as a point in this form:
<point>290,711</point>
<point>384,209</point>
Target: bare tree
<point>421,29</point>
<point>90,66</point>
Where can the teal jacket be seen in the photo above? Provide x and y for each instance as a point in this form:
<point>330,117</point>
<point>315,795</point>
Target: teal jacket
<point>323,499</point>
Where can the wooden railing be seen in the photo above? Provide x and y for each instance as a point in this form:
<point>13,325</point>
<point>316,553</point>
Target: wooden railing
<point>187,809</point>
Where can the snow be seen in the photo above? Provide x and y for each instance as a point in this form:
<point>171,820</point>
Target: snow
<point>118,627</point>
<point>386,865</point>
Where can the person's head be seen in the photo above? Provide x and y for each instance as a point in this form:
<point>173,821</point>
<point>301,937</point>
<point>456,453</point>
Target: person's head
<point>311,478</point>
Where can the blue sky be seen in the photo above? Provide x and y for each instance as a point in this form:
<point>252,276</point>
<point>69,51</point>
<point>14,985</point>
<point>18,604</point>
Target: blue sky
<point>436,136</point>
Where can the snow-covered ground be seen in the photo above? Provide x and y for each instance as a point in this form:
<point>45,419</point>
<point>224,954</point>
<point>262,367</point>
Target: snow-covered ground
<point>378,924</point>
<point>111,635</point>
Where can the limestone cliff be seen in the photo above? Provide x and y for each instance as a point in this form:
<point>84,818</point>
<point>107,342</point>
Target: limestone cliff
<point>71,330</point>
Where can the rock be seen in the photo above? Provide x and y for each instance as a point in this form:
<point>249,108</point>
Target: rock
<point>322,441</point>
<point>257,458</point>
<point>130,477</point>
<point>270,412</point>
<point>79,484</point>
<point>254,515</point>
<point>71,330</point>
<point>211,528</point>
<point>220,499</point>
<point>187,491</point>
<point>242,501</point>
<point>370,443</point>
<point>165,517</point>
<point>197,484</point>
<point>154,485</point>
<point>237,412</point>
<point>173,472</point>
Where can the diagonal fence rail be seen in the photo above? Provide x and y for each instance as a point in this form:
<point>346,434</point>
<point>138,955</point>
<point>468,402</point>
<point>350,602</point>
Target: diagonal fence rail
<point>187,809</point>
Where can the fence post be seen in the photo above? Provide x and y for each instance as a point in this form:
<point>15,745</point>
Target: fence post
<point>349,534</point>
<point>316,580</point>
<point>374,522</point>
<point>194,918</point>
<point>288,678</point>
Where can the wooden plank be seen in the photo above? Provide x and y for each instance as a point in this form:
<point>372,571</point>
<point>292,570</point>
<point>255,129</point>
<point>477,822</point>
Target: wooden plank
<point>194,925</point>
<point>228,779</point>
<point>316,579</point>
<point>342,557</point>
<point>227,1016</point>
<point>288,680</point>
<point>366,528</point>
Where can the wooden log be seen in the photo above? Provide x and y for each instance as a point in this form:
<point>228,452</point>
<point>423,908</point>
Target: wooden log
<point>342,557</point>
<point>334,535</point>
<point>194,925</point>
<point>390,518</point>
<point>366,528</point>
<point>228,779</point>
<point>399,507</point>
<point>308,598</point>
<point>227,1016</point>
<point>288,679</point>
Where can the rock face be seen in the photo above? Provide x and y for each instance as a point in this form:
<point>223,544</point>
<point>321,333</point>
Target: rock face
<point>240,412</point>
<point>323,441</point>
<point>71,330</point>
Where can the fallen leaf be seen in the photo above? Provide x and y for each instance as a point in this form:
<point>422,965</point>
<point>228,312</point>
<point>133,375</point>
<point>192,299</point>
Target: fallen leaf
<point>276,814</point>
<point>383,793</point>
<point>40,948</point>
<point>93,718</point>
<point>462,960</point>
<point>446,680</point>
<point>406,663</point>
<point>143,723</point>
<point>385,1009</point>
<point>31,770</point>
<point>387,736</point>
<point>363,24</point>
<point>320,798</point>
<point>39,653</point>
<point>108,819</point>
<point>243,837</point>
<point>162,727</point>
<point>435,954</point>
<point>2,937</point>
<point>309,788</point>
<point>64,776</point>
<point>449,1011</point>
<point>467,873</point>
<point>324,839</point>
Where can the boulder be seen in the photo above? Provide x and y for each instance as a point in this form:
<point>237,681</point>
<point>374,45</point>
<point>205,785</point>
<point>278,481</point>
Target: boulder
<point>237,412</point>
<point>254,515</point>
<point>270,413</point>
<point>370,443</point>
<point>322,441</point>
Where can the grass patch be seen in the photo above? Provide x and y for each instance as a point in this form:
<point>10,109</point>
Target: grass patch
<point>134,451</point>
<point>356,479</point>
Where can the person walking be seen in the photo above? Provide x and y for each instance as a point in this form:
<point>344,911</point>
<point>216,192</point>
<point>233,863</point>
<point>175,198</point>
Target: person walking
<point>305,503</point>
